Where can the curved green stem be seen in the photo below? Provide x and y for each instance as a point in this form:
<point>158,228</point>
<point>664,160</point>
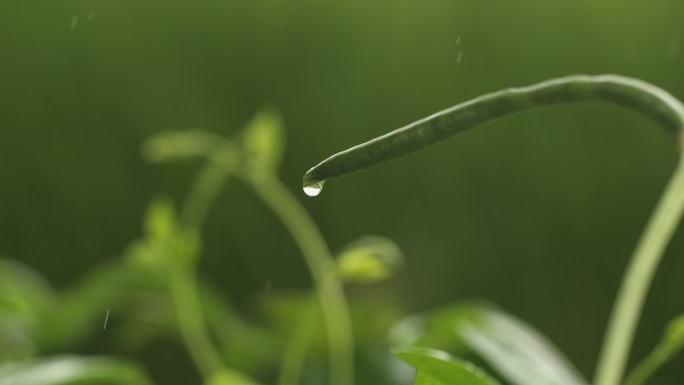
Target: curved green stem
<point>637,279</point>
<point>202,194</point>
<point>632,93</point>
<point>323,269</point>
<point>191,323</point>
<point>297,347</point>
<point>668,347</point>
<point>635,94</point>
<point>184,288</point>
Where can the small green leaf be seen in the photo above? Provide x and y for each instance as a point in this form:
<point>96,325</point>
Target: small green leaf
<point>674,333</point>
<point>369,259</point>
<point>82,307</point>
<point>245,345</point>
<point>173,145</point>
<point>23,290</point>
<point>143,254</point>
<point>161,219</point>
<point>72,370</point>
<point>264,140</point>
<point>166,240</point>
<point>517,352</point>
<point>435,367</point>
<point>668,347</point>
<point>230,377</point>
<point>26,298</point>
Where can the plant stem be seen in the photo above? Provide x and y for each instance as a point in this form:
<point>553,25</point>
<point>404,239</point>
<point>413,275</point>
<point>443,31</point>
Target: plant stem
<point>202,194</point>
<point>637,279</point>
<point>206,187</point>
<point>298,345</point>
<point>184,288</point>
<point>190,321</point>
<point>634,94</point>
<point>323,269</point>
<point>657,358</point>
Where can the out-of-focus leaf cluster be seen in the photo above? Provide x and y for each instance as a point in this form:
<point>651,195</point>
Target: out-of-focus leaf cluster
<point>129,301</point>
<point>488,336</point>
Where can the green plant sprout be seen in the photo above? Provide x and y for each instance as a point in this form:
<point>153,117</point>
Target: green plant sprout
<point>155,288</point>
<point>254,160</point>
<point>670,344</point>
<point>634,94</point>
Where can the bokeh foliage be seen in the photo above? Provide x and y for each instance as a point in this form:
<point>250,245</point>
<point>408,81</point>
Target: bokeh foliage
<point>537,213</point>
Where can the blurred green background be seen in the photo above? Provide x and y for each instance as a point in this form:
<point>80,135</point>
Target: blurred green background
<point>537,213</point>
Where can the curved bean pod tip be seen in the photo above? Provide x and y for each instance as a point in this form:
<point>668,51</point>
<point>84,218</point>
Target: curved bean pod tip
<point>634,94</point>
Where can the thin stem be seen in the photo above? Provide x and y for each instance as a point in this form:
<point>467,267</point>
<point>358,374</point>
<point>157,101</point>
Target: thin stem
<point>298,345</point>
<point>634,94</point>
<point>637,279</point>
<point>184,288</point>
<point>190,321</point>
<point>202,194</point>
<point>207,185</point>
<point>657,358</point>
<point>322,266</point>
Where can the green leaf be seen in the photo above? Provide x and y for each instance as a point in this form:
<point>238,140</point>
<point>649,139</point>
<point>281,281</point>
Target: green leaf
<point>23,291</point>
<point>245,345</point>
<point>166,241</point>
<point>83,307</point>
<point>72,370</point>
<point>264,140</point>
<point>173,145</point>
<point>369,259</point>
<point>435,367</point>
<point>26,298</point>
<point>517,352</point>
<point>674,334</point>
<point>230,377</point>
<point>668,347</point>
<point>145,255</point>
<point>161,220</point>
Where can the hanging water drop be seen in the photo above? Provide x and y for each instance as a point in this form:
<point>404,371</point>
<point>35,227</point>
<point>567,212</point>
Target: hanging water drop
<point>313,189</point>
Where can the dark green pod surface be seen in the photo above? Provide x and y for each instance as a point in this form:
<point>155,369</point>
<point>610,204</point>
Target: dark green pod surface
<point>634,94</point>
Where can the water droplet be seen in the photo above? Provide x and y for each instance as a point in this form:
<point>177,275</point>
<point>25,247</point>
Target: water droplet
<point>313,189</point>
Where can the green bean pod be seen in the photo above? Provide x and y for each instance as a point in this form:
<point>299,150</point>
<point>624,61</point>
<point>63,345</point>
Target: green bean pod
<point>634,94</point>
